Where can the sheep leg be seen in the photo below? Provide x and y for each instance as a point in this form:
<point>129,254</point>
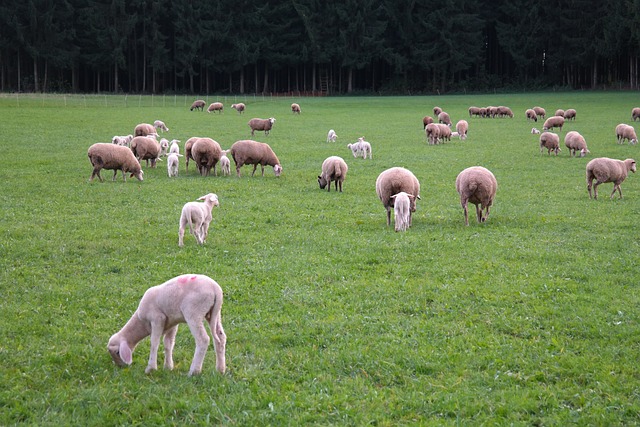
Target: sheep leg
<point>96,172</point>
<point>388,216</point>
<point>616,187</point>
<point>254,169</point>
<point>169,342</point>
<point>262,166</point>
<point>219,342</point>
<point>157,327</point>
<point>466,212</point>
<point>595,190</point>
<point>479,213</point>
<point>202,342</point>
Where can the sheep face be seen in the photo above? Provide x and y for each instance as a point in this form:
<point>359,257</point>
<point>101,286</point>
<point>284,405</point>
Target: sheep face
<point>322,182</point>
<point>211,198</point>
<point>120,351</point>
<point>277,169</point>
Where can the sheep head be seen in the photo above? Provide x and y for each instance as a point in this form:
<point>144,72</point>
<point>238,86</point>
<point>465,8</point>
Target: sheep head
<point>277,169</point>
<point>211,198</point>
<point>120,351</point>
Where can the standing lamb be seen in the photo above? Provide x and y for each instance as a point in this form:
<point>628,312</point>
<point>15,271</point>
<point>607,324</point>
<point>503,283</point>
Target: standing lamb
<point>365,148</point>
<point>145,148</point>
<point>550,141</point>
<point>635,113</point>
<point>248,152</point>
<point>173,164</point>
<point>225,163</point>
<point>239,107</point>
<point>603,169</point>
<point>122,140</point>
<point>531,115</point>
<point>332,136</point>
<point>198,105</point>
<point>206,153</point>
<point>159,124</point>
<point>462,127</point>
<point>215,106</point>
<point>541,112</point>
<point>402,210</point>
<point>198,217</point>
<point>476,185</point>
<point>144,129</point>
<point>295,108</point>
<point>261,124</point>
<point>553,122</point>
<point>576,144</point>
<point>334,169</point>
<point>393,181</point>
<point>570,114</point>
<point>113,157</point>
<point>190,299</point>
<point>174,147</point>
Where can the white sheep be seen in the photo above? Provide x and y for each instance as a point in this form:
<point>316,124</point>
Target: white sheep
<point>432,132</point>
<point>604,169</point>
<point>225,163</point>
<point>198,105</point>
<point>402,210</point>
<point>113,157</point>
<point>261,124</point>
<point>503,111</point>
<point>476,185</point>
<point>159,124</point>
<point>190,299</point>
<point>535,131</point>
<point>550,141</point>
<point>355,149</point>
<point>198,217</point>
<point>215,106</point>
<point>444,132</point>
<point>560,112</point>
<point>332,136</point>
<point>365,148</point>
<point>122,140</point>
<point>164,147</point>
<point>462,128</point>
<point>239,107</point>
<point>174,148</point>
<point>576,144</point>
<point>173,164</point>
<point>334,169</point>
<point>295,108</point>
<point>393,181</point>
<point>249,152</point>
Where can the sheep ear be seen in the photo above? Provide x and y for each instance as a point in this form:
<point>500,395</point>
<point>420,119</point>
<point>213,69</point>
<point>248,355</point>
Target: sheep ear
<point>125,353</point>
<point>394,196</point>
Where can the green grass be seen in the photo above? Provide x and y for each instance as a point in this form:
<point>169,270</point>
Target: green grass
<point>332,318</point>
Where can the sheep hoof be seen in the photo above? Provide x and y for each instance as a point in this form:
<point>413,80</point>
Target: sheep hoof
<point>149,369</point>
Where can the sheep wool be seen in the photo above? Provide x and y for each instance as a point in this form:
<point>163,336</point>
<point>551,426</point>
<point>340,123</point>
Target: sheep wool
<point>576,144</point>
<point>145,148</point>
<point>334,169</point>
<point>476,185</point>
<point>332,136</point>
<point>206,153</point>
<point>249,152</point>
<point>604,169</point>
<point>635,113</point>
<point>173,164</point>
<point>393,181</point>
<point>550,141</point>
<point>113,157</point>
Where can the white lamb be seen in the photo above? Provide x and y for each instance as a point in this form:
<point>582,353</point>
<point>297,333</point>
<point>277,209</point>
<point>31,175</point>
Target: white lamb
<point>164,147</point>
<point>402,210</point>
<point>225,163</point>
<point>331,136</point>
<point>173,164</point>
<point>174,148</point>
<point>535,131</point>
<point>197,216</point>
<point>122,140</point>
<point>159,124</point>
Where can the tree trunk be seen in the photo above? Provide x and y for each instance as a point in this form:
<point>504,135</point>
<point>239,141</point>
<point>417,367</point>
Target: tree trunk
<point>36,87</point>
<point>242,79</point>
<point>350,80</point>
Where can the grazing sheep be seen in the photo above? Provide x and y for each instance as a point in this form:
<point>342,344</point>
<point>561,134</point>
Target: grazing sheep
<point>261,124</point>
<point>535,131</point>
<point>187,150</point>
<point>145,148</point>
<point>248,152</point>
<point>437,111</point>
<point>603,169</point>
<point>540,112</point>
<point>122,140</point>
<point>475,111</point>
<point>144,129</point>
<point>334,169</point>
<point>402,210</point>
<point>215,106</point>
<point>531,115</point>
<point>553,122</point>
<point>576,143</point>
<point>332,136</point>
<point>159,124</point>
<point>198,105</point>
<point>295,108</point>
<point>444,132</point>
<point>635,113</point>
<point>560,112</point>
<point>433,133</point>
<point>443,117</point>
<point>239,107</point>
<point>190,299</point>
<point>173,164</point>
<point>478,186</point>
<point>426,120</point>
<point>206,153</point>
<point>198,217</point>
<point>627,132</point>
<point>225,163</point>
<point>569,114</point>
<point>492,112</point>
<point>483,112</point>
<point>462,128</point>
<point>113,157</point>
<point>550,141</point>
<point>504,111</point>
<point>393,181</point>
<point>174,147</point>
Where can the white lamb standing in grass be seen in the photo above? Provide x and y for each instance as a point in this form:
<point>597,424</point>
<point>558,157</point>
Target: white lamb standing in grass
<point>164,147</point>
<point>190,299</point>
<point>159,124</point>
<point>122,140</point>
<point>173,164</point>
<point>225,163</point>
<point>363,148</point>
<point>535,131</point>
<point>174,148</point>
<point>402,210</point>
<point>198,217</point>
<point>331,136</point>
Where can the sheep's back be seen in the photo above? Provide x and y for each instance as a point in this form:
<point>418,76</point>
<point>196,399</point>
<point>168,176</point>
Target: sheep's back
<point>477,184</point>
<point>393,181</point>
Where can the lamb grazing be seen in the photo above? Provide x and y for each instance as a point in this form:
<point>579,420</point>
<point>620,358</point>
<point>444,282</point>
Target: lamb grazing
<point>402,210</point>
<point>560,112</point>
<point>334,169</point>
<point>437,111</point>
<point>144,129</point>
<point>553,122</point>
<point>462,127</point>
<point>206,153</point>
<point>113,157</point>
<point>198,105</point>
<point>476,185</point>
<point>197,216</point>
<point>122,140</point>
<point>145,148</point>
<point>426,120</point>
<point>159,124</point>
<point>603,169</point>
<point>444,132</point>
<point>443,117</point>
<point>550,141</point>
<point>540,112</point>
<point>531,115</point>
<point>535,131</point>
<point>295,108</point>
<point>393,181</point>
<point>627,132</point>
<point>248,152</point>
<point>215,106</point>
<point>475,111</point>
<point>174,147</point>
<point>570,114</point>
<point>173,164</point>
<point>504,112</point>
<point>433,133</point>
<point>190,299</point>
<point>635,113</point>
<point>239,107</point>
<point>187,150</point>
<point>225,163</point>
<point>576,143</point>
<point>261,124</point>
<point>331,136</point>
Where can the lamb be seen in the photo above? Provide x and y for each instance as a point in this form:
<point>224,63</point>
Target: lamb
<point>462,128</point>
<point>145,148</point>
<point>576,143</point>
<point>215,106</point>
<point>334,169</point>
<point>437,111</point>
<point>144,129</point>
<point>174,147</point>
<point>550,141</point>
<point>603,169</point>
<point>189,298</point>
<point>531,115</point>
<point>535,131</point>
<point>254,153</point>
<point>113,157</point>
<point>433,133</point>
<point>443,117</point>
<point>553,122</point>
<point>332,136</point>
<point>365,148</point>
<point>122,140</point>
<point>159,124</point>
<point>239,107</point>
<point>261,124</point>
<point>635,113</point>
<point>295,108</point>
<point>164,147</point>
<point>569,114</point>
<point>426,120</point>
<point>402,210</point>
<point>627,132</point>
<point>540,112</point>
<point>393,181</point>
<point>225,164</point>
<point>477,185</point>
<point>198,105</point>
<point>198,217</point>
<point>173,164</point>
<point>206,153</point>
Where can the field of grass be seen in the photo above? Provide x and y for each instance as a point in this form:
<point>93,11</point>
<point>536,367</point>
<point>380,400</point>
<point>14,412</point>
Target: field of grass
<point>332,318</point>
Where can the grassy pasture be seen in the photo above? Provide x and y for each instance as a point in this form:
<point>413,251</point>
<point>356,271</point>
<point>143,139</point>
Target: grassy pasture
<point>332,318</point>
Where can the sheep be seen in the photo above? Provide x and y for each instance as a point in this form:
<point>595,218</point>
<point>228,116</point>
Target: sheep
<point>261,124</point>
<point>332,136</point>
<point>492,112</point>
<point>144,129</point>
<point>295,108</point>
<point>560,112</point>
<point>483,112</point>
<point>433,133</point>
<point>145,148</point>
<point>239,107</point>
<point>173,164</point>
<point>365,147</point>
<point>455,134</point>
<point>393,181</point>
<point>627,132</point>
<point>206,153</point>
<point>334,169</point>
<point>426,120</point>
<point>477,185</point>
<point>504,111</point>
<point>535,131</point>
<point>540,112</point>
<point>198,217</point>
<point>443,117</point>
<point>402,210</point>
<point>164,147</point>
<point>550,141</point>
<point>635,113</point>
<point>553,122</point>
<point>474,111</point>
<point>113,157</point>
<point>603,169</point>
<point>122,140</point>
<point>531,115</point>
<point>198,105</point>
<point>576,143</point>
<point>436,111</point>
<point>174,147</point>
<point>225,163</point>
<point>444,132</point>
<point>569,114</point>
<point>249,152</point>
<point>190,299</point>
<point>462,128</point>
<point>215,106</point>
<point>159,124</point>
<point>187,150</point>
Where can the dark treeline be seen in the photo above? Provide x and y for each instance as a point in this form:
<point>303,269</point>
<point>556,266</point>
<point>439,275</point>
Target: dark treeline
<point>257,46</point>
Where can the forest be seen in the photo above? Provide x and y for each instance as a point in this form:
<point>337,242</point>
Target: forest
<point>317,46</point>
